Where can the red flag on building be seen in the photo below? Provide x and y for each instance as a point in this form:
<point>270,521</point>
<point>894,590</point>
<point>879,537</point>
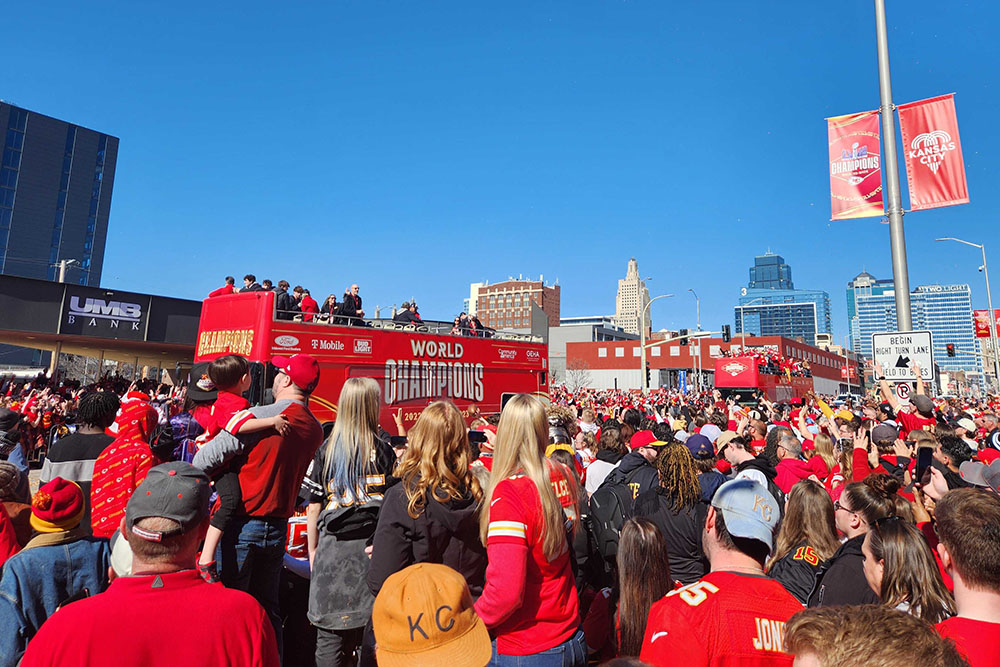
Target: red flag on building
<point>855,166</point>
<point>935,171</point>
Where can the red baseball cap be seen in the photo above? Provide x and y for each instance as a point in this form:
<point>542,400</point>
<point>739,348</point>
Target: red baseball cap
<point>641,439</point>
<point>301,368</point>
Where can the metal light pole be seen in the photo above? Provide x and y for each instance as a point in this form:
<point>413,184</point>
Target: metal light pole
<point>697,306</point>
<point>989,303</point>
<point>893,202</point>
<point>847,368</point>
<point>642,341</point>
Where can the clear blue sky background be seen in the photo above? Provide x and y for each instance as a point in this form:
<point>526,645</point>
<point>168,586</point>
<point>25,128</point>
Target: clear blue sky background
<point>415,147</point>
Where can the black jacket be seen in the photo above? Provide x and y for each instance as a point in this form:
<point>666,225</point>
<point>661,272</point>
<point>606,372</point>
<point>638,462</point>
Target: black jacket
<point>796,571</point>
<point>406,317</point>
<point>841,580</point>
<point>682,531</point>
<point>445,533</point>
<point>635,472</point>
<point>349,308</point>
<point>284,304</point>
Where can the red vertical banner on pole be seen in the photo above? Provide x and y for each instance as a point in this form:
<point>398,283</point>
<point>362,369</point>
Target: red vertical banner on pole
<point>981,320</point>
<point>855,166</point>
<point>935,171</point>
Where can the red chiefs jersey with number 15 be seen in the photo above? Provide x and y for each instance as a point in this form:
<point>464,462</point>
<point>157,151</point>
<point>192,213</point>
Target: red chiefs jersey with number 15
<point>726,618</point>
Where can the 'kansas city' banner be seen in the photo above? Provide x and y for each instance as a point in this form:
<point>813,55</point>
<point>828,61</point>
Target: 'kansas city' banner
<point>934,168</point>
<point>981,320</point>
<point>855,166</point>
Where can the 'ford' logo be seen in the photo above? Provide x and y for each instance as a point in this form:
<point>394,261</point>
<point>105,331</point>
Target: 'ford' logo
<point>286,341</point>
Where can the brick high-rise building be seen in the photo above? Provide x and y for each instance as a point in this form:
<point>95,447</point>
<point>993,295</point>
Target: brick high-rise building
<point>507,305</point>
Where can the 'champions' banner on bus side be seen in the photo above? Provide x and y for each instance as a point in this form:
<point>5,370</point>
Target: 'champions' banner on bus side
<point>935,171</point>
<point>855,166</point>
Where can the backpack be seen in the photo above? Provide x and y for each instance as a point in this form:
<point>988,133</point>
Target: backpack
<point>609,507</point>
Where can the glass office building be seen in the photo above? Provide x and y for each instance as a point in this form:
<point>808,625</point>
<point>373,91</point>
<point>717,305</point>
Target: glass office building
<point>55,196</point>
<point>944,310</point>
<point>769,271</point>
<point>771,306</point>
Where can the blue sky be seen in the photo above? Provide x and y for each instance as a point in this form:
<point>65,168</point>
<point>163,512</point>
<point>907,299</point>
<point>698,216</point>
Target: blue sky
<point>417,147</point>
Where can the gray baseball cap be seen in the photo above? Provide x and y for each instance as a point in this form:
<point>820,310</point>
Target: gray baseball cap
<point>980,474</point>
<point>175,490</point>
<point>750,511</point>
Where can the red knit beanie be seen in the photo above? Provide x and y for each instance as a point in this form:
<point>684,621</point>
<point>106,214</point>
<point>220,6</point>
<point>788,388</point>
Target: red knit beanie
<point>57,506</point>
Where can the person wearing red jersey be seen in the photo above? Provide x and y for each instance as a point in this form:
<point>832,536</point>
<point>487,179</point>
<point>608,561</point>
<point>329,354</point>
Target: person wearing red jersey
<point>968,523</point>
<point>734,614</point>
<point>230,374</point>
<point>922,419</point>
<point>225,289</point>
<point>529,602</point>
<point>135,621</point>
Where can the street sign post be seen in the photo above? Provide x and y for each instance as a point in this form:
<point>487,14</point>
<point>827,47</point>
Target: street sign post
<point>897,352</point>
<point>903,391</point>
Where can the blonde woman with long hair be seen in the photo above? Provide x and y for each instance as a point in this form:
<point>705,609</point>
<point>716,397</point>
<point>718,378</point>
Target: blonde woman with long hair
<point>529,602</point>
<point>432,515</point>
<point>346,482</point>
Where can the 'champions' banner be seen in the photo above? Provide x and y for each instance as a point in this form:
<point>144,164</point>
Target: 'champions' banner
<point>934,168</point>
<point>855,166</point>
<point>981,320</point>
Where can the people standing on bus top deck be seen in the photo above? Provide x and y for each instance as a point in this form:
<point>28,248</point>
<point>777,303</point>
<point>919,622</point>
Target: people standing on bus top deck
<point>407,314</point>
<point>225,289</point>
<point>308,306</point>
<point>284,303</point>
<point>250,284</point>
<point>350,310</point>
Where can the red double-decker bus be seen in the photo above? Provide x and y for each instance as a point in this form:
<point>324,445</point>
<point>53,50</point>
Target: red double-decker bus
<point>413,365</point>
<point>742,376</point>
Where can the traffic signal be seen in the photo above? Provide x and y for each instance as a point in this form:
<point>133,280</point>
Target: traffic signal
<point>727,333</point>
<point>648,376</point>
<point>950,347</point>
<point>684,336</point>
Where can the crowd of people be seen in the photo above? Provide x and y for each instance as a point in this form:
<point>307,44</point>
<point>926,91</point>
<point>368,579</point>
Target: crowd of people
<point>601,526</point>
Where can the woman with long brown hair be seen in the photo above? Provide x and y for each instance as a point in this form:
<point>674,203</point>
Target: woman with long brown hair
<point>678,510</point>
<point>643,578</point>
<point>529,602</point>
<point>616,619</point>
<point>432,515</point>
<point>841,579</point>
<point>808,536</point>
<point>900,568</point>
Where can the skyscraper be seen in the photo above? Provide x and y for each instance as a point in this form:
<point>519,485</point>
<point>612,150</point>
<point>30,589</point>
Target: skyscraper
<point>944,310</point>
<point>769,271</point>
<point>632,300</point>
<point>55,196</point>
<point>863,285</point>
<point>771,306</point>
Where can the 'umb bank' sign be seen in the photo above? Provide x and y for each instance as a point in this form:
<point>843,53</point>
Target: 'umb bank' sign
<point>104,314</point>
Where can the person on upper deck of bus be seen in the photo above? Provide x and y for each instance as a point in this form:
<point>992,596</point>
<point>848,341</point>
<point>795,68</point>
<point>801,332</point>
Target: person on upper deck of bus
<point>351,311</point>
